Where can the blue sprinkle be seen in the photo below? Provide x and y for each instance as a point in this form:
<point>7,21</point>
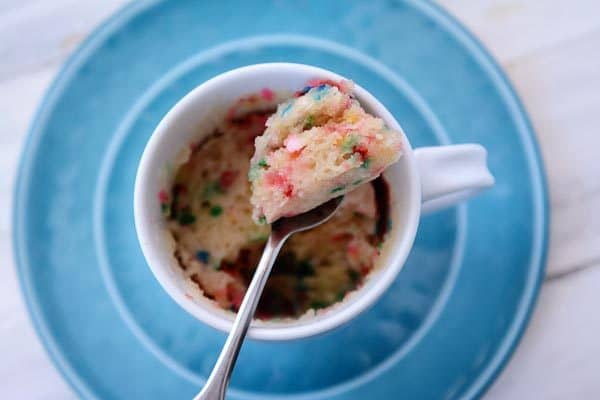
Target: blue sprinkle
<point>319,92</point>
<point>304,90</point>
<point>203,256</point>
<point>286,109</point>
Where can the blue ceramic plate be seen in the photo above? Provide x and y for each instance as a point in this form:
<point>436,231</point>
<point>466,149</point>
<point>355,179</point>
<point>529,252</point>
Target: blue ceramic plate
<point>455,312</point>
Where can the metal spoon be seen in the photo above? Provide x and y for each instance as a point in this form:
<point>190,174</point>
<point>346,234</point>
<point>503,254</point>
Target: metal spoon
<point>281,230</point>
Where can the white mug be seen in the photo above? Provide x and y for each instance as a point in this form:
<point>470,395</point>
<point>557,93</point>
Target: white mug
<point>424,179</point>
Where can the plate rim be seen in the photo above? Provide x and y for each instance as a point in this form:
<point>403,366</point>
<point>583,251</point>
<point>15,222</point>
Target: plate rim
<point>119,18</point>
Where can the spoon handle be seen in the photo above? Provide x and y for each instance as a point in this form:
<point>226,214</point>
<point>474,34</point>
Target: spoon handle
<point>217,382</point>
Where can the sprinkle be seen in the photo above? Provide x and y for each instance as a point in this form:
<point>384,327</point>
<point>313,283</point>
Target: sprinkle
<point>163,196</point>
<point>293,144</point>
<point>216,210</point>
<point>262,220</point>
<point>263,163</point>
<point>319,92</point>
<point>186,217</point>
<point>338,189</point>
<point>353,275</point>
<point>211,189</point>
<point>285,109</point>
<point>349,143</point>
<point>352,249</point>
<point>328,82</point>
<point>305,268</point>
<point>366,163</point>
<point>203,256</point>
<point>362,150</point>
<point>342,236</point>
<point>357,182</point>
<point>267,94</point>
<point>227,178</point>
<point>310,122</point>
<point>164,207</point>
<point>301,286</point>
<point>288,191</point>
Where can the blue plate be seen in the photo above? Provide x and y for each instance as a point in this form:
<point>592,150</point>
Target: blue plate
<point>451,319</point>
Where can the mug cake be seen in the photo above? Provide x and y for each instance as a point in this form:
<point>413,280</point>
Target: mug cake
<point>225,192</point>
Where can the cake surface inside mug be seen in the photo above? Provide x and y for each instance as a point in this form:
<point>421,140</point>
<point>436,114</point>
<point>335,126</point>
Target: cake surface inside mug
<point>218,244</point>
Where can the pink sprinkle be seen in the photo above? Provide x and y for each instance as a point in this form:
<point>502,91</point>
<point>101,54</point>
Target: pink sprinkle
<point>267,94</point>
<point>293,144</point>
<point>352,249</point>
<point>163,196</point>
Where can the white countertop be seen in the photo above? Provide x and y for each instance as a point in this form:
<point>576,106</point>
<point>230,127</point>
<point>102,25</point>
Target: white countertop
<point>550,50</point>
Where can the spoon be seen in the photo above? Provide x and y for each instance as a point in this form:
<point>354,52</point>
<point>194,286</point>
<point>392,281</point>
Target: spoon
<point>281,230</point>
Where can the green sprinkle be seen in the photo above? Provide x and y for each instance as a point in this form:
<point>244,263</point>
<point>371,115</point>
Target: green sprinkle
<point>165,208</point>
<point>349,143</point>
<point>353,275</point>
<point>317,304</point>
<point>255,170</point>
<point>338,189</point>
<point>357,182</point>
<point>262,220</point>
<point>301,286</point>
<point>366,163</point>
<point>305,268</point>
<point>216,210</point>
<point>310,122</point>
<point>186,217</point>
<point>213,188</point>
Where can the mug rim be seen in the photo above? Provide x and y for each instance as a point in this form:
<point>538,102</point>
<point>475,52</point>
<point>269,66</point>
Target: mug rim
<point>362,297</point>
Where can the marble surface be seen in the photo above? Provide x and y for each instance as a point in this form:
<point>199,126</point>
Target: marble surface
<point>550,52</point>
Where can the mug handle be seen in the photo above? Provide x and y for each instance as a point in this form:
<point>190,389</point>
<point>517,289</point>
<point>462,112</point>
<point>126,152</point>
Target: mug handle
<point>451,174</point>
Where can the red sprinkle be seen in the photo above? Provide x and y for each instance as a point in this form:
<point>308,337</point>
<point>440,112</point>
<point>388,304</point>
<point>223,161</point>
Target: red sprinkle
<point>362,150</point>
<point>163,196</point>
<point>342,236</point>
<point>227,178</point>
<point>276,178</point>
<point>267,94</point>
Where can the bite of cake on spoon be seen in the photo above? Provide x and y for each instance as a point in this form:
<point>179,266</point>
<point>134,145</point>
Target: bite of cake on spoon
<point>320,144</point>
